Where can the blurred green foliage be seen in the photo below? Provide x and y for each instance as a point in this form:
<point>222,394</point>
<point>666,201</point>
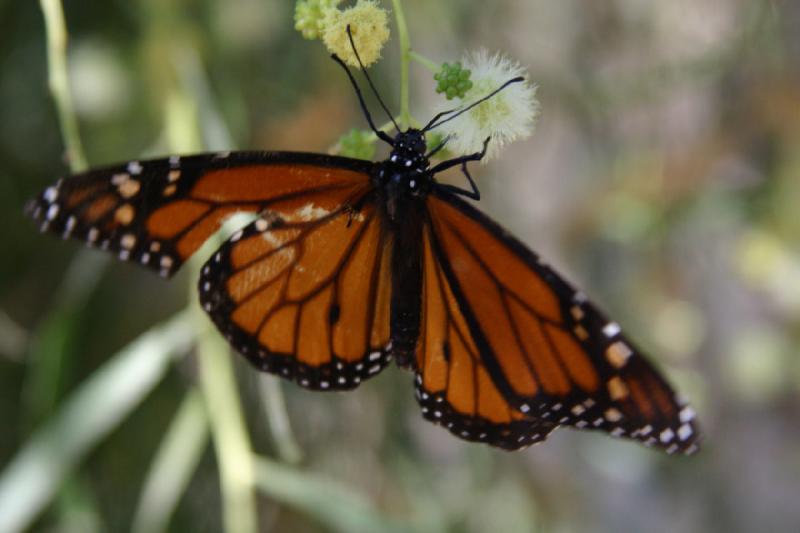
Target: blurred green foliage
<point>664,179</point>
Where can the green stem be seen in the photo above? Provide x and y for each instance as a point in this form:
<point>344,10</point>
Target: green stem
<point>217,382</point>
<point>405,58</point>
<point>425,62</point>
<point>59,82</point>
<point>231,442</point>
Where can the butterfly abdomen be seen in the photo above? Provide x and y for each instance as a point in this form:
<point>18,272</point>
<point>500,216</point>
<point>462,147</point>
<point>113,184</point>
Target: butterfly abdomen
<point>407,280</point>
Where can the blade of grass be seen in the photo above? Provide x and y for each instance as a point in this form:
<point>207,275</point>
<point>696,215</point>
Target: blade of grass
<point>332,504</point>
<point>52,345</point>
<point>32,477</point>
<point>274,405</point>
<point>175,462</point>
<point>217,381</point>
<point>13,338</point>
<point>231,441</point>
<point>76,507</point>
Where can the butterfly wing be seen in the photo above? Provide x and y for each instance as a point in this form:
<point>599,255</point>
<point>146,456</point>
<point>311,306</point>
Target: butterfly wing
<point>453,386</point>
<point>306,295</point>
<point>159,212</point>
<point>508,345</point>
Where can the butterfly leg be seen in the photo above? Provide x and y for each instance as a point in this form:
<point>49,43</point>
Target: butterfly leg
<point>474,194</point>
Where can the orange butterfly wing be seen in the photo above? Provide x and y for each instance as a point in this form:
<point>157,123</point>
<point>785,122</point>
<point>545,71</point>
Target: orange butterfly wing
<point>159,212</point>
<point>510,351</point>
<point>306,294</point>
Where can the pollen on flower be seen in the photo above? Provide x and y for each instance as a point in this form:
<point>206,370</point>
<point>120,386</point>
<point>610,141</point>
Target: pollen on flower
<point>507,116</point>
<point>369,26</point>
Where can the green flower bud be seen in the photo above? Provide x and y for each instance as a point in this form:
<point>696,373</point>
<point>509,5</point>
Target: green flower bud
<point>356,143</point>
<point>453,80</point>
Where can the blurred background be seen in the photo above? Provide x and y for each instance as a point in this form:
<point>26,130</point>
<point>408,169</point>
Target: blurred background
<point>664,179</point>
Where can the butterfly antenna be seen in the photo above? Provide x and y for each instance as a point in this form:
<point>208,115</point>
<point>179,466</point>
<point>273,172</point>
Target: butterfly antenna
<point>381,134</point>
<point>435,121</point>
<point>369,80</point>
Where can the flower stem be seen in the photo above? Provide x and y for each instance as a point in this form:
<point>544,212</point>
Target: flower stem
<point>425,62</point>
<point>217,381</point>
<point>405,58</point>
<point>59,82</point>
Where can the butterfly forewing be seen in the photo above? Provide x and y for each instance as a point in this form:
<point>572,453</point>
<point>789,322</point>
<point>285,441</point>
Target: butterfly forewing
<point>515,330</point>
<point>305,294</point>
<point>159,212</point>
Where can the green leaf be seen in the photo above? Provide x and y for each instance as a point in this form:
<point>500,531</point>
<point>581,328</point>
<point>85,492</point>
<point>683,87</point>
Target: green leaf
<point>32,477</point>
<point>332,504</point>
<point>175,462</point>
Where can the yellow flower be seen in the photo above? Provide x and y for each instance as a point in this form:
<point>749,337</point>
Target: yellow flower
<point>369,25</point>
<point>309,16</point>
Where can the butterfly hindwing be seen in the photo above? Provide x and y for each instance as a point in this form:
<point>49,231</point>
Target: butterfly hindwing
<point>453,386</point>
<point>539,351</point>
<point>305,294</point>
<point>159,212</point>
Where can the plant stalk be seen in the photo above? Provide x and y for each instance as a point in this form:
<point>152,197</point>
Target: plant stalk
<point>58,80</point>
<point>405,58</point>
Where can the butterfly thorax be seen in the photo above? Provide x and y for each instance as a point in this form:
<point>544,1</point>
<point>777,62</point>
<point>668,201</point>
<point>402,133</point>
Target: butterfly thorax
<point>404,175</point>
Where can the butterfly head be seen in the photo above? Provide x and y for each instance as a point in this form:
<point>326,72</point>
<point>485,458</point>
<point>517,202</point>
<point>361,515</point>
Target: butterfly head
<point>405,172</point>
<point>408,151</point>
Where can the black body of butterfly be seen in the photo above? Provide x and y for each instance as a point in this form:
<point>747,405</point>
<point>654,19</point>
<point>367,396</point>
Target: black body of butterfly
<point>351,263</point>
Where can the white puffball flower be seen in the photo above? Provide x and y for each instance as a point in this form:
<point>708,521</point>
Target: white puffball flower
<point>505,117</point>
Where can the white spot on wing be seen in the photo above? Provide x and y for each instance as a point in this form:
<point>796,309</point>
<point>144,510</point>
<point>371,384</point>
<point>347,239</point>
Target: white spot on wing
<point>611,329</point>
<point>687,414</point>
<point>52,212</point>
<point>134,167</point>
<point>50,195</point>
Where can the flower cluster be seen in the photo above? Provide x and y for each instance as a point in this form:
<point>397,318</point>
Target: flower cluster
<point>368,23</point>
<point>507,116</point>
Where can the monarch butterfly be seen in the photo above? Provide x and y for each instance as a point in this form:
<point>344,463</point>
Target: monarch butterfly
<point>350,264</point>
